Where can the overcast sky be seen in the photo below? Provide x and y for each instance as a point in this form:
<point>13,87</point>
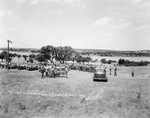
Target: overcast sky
<point>94,24</point>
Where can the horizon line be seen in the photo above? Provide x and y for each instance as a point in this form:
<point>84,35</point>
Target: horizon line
<point>80,49</point>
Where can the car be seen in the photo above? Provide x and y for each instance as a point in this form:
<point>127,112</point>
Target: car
<point>100,76</point>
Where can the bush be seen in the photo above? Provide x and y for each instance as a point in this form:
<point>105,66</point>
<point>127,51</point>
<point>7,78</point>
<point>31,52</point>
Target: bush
<point>103,60</point>
<point>21,67</point>
<point>132,63</point>
<point>33,68</point>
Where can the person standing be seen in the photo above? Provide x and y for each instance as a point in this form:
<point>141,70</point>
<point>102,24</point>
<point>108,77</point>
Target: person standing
<point>66,71</point>
<point>42,71</point>
<point>132,73</point>
<point>54,71</point>
<point>115,71</point>
<point>105,70</point>
<point>110,70</point>
<point>46,72</point>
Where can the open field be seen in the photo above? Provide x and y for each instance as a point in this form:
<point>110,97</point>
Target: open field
<point>25,95</point>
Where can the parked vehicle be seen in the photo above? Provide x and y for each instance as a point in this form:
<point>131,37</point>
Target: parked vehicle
<point>100,76</point>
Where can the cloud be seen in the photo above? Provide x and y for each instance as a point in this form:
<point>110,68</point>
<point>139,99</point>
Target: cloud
<point>28,32</point>
<point>56,11</point>
<point>122,25</point>
<point>34,2</point>
<point>73,3</point>
<point>108,39</point>
<point>143,27</point>
<point>10,12</point>
<point>1,30</point>
<point>102,21</point>
<point>11,29</point>
<point>108,34</point>
<point>2,14</point>
<point>78,6</point>
<point>145,4</point>
<point>5,13</point>
<point>21,1</point>
<point>69,1</point>
<point>53,0</point>
<point>136,1</point>
<point>42,32</point>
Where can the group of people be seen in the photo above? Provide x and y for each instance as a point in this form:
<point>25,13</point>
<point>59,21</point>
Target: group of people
<point>54,70</point>
<point>83,67</point>
<point>115,71</point>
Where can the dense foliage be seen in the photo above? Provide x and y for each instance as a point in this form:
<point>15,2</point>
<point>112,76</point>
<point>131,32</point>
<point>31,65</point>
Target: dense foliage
<point>118,53</point>
<point>104,61</point>
<point>61,54</point>
<point>4,55</point>
<point>132,63</point>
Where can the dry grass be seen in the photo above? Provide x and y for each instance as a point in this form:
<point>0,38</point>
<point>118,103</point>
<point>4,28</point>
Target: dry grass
<point>120,97</point>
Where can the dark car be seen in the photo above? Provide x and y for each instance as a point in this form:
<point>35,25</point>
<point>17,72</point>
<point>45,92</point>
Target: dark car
<point>100,76</point>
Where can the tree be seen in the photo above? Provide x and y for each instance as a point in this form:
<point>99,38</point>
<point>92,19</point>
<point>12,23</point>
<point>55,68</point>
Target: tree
<point>40,58</point>
<point>25,57</point>
<point>18,55</point>
<point>12,55</point>
<point>74,56</point>
<point>48,52</point>
<point>79,59</point>
<point>10,59</point>
<point>109,61</point>
<point>2,57</point>
<point>63,53</point>
<point>32,56</point>
<point>31,60</point>
<point>87,59</point>
<point>83,59</point>
<point>103,60</point>
<point>58,53</point>
<point>121,61</point>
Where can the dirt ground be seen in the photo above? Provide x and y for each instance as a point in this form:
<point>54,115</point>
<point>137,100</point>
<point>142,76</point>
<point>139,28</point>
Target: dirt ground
<point>25,95</point>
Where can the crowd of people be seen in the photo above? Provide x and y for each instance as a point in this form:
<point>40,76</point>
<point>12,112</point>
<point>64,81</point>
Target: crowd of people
<point>57,69</point>
<point>114,69</point>
<point>19,66</point>
<point>83,67</point>
<point>54,70</point>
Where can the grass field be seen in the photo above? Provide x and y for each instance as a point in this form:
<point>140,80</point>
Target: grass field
<point>25,95</point>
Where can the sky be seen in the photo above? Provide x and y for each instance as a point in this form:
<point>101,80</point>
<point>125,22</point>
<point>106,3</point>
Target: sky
<point>85,24</point>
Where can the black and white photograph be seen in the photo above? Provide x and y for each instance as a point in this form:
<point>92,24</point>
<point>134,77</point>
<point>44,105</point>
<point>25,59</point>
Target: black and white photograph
<point>74,58</point>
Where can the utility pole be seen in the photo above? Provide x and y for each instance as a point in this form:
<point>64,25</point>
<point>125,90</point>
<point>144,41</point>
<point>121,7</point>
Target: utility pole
<point>8,41</point>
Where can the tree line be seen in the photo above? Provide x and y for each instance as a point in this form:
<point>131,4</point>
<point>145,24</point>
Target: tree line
<point>123,62</point>
<point>50,53</point>
<point>119,53</point>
